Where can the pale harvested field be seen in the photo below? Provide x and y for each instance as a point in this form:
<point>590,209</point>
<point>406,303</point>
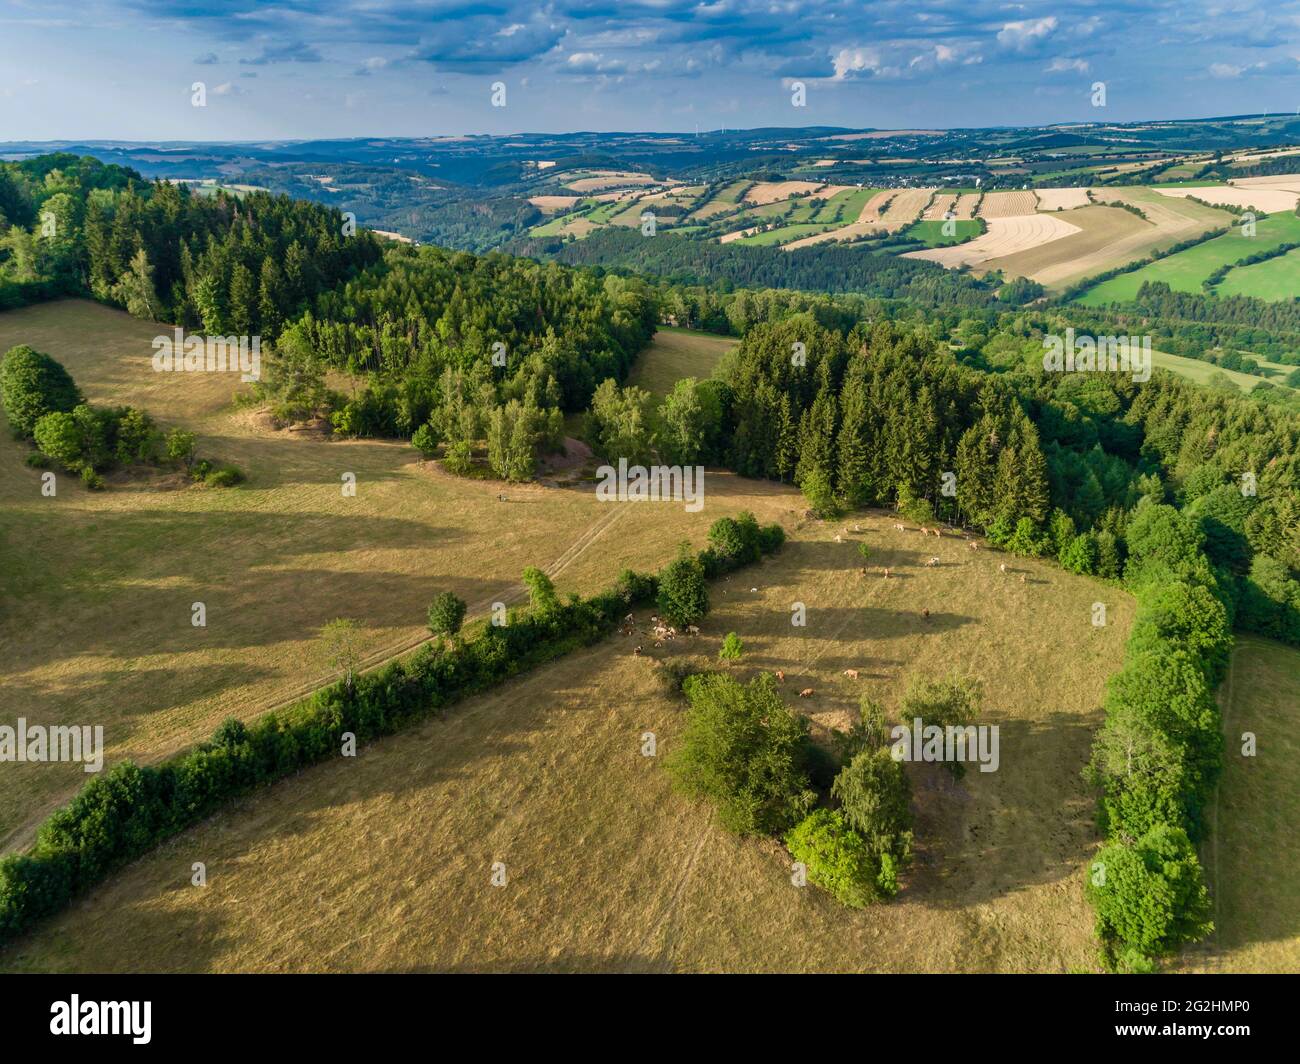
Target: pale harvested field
<point>1008,204</point>
<point>965,205</point>
<point>607,179</point>
<point>382,862</point>
<point>1111,237</point>
<point>943,202</point>
<point>727,238</point>
<point>905,208</point>
<point>95,627</point>
<point>1284,182</point>
<point>774,191</point>
<point>1005,236</point>
<point>552,204</point>
<point>1062,199</point>
<point>1269,200</point>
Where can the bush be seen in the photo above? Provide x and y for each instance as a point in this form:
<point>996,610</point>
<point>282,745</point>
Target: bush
<point>226,476</point>
<point>683,591</point>
<point>33,385</point>
<point>746,751</point>
<point>732,648</point>
<point>955,701</point>
<point>1150,896</point>
<point>836,858</point>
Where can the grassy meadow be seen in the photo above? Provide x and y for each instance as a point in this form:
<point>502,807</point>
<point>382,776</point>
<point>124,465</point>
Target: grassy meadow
<point>383,862</point>
<point>98,586</point>
<point>1251,860</point>
<point>676,353</point>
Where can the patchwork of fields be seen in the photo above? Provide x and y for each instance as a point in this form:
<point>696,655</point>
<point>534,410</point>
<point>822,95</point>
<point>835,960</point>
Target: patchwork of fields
<point>1185,270</point>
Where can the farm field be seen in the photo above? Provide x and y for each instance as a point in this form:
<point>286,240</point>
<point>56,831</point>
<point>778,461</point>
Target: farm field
<point>1005,237</point>
<point>1008,204</point>
<point>1062,199</point>
<point>1111,237</point>
<point>1251,860</point>
<point>1270,200</point>
<point>1185,270</point>
<point>1276,279</point>
<point>676,353</point>
<point>1195,369</point>
<point>608,869</point>
<point>96,627</point>
<point>931,232</point>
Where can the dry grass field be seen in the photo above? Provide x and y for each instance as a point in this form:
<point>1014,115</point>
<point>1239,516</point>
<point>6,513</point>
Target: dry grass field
<point>905,208</point>
<point>383,862</point>
<point>939,207</point>
<point>1251,860</point>
<point>98,586</point>
<point>869,220</point>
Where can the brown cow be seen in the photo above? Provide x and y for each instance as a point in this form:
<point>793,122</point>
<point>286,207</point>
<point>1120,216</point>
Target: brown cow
<point>807,692</point>
<point>852,674</point>
<point>780,675</point>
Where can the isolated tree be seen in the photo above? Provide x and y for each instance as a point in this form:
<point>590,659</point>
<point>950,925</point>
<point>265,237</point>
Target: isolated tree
<point>341,639</point>
<point>446,615</point>
<point>31,385</point>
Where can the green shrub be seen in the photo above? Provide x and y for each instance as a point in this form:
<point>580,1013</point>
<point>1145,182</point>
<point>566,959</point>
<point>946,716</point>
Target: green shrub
<point>836,858</point>
<point>683,591</point>
<point>1150,896</point>
<point>744,750</point>
<point>226,476</point>
<point>732,648</point>
<point>875,798</point>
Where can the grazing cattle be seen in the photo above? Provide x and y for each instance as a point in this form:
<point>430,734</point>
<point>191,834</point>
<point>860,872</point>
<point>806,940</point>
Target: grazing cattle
<point>1022,578</point>
<point>857,528</point>
<point>925,615</point>
<point>807,692</point>
<point>852,674</point>
<point>780,675</point>
<point>1003,567</point>
<point>637,652</point>
<point>933,561</point>
<point>753,589</point>
<point>839,539</point>
<point>692,630</point>
<point>899,528</point>
<point>886,574</point>
<point>974,545</point>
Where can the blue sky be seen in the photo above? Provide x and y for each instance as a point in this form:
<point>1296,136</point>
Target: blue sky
<point>123,69</point>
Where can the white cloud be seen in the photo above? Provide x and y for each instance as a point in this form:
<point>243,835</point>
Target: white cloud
<point>1061,65</point>
<point>1027,33</point>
